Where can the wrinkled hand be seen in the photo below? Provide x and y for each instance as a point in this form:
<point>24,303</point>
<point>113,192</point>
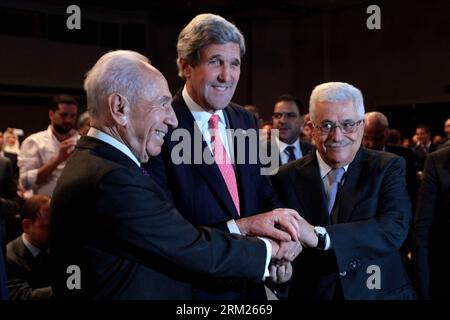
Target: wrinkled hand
<point>66,148</point>
<point>278,224</point>
<point>280,272</point>
<point>285,251</point>
<point>306,234</point>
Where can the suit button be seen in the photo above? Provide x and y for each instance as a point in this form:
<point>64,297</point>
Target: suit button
<point>343,273</point>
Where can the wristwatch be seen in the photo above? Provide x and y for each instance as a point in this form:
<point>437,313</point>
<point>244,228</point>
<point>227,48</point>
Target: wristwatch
<point>321,234</point>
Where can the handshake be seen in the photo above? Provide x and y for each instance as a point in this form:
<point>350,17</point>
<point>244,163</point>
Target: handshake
<point>288,234</point>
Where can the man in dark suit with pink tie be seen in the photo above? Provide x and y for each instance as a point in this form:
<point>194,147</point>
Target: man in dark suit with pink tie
<point>225,193</point>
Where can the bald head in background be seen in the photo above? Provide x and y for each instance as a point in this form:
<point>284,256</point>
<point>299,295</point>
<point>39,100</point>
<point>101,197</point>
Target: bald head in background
<point>376,130</point>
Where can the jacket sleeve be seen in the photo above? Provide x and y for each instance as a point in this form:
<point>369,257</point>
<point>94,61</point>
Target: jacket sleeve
<point>153,230</point>
<point>423,219</point>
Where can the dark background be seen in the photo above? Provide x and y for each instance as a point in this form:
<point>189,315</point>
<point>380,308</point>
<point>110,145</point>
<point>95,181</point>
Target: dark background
<point>403,69</point>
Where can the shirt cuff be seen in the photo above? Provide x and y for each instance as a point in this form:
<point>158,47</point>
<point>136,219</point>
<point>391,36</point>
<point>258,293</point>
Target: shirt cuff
<point>233,227</point>
<point>28,180</point>
<point>268,257</point>
<point>327,242</point>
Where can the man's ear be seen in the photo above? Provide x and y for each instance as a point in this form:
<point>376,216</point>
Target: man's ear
<point>185,68</point>
<point>26,225</point>
<point>119,108</point>
<point>51,113</point>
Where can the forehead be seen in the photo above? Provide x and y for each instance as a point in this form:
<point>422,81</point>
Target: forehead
<point>67,108</point>
<point>286,106</point>
<point>336,111</point>
<point>421,130</point>
<point>229,50</point>
<point>156,86</point>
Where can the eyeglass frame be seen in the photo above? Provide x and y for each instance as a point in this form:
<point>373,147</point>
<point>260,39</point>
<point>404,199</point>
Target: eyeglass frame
<point>339,125</point>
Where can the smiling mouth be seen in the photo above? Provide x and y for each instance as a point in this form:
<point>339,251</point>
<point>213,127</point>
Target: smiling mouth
<point>160,133</point>
<point>337,147</point>
<point>221,88</point>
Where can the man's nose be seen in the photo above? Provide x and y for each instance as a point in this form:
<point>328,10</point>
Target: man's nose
<point>336,133</point>
<point>225,73</point>
<point>171,119</point>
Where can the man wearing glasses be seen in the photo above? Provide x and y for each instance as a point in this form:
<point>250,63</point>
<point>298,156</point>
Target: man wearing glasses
<point>357,201</point>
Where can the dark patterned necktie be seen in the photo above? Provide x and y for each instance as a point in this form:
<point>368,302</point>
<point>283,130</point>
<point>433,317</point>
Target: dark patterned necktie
<point>290,151</point>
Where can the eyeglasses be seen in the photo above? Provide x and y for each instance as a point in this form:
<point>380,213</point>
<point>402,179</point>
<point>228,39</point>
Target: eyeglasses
<point>289,115</point>
<point>348,126</point>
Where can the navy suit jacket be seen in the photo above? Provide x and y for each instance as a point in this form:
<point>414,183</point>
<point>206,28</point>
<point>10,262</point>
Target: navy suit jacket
<point>431,225</point>
<point>373,215</point>
<point>129,242</point>
<point>199,192</point>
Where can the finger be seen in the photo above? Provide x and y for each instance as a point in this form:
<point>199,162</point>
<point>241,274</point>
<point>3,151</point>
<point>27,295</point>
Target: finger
<point>292,213</point>
<point>289,225</point>
<point>277,234</point>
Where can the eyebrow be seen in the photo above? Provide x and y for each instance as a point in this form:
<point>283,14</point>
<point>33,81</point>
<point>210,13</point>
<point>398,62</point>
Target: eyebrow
<point>164,99</point>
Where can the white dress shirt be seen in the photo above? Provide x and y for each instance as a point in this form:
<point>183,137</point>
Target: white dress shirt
<point>284,155</point>
<point>100,135</point>
<point>37,150</point>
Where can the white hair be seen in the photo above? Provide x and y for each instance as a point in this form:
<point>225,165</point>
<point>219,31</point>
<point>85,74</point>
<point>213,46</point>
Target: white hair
<point>117,71</point>
<point>333,92</point>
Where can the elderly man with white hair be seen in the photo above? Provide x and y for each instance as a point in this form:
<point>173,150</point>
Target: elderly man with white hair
<point>357,201</point>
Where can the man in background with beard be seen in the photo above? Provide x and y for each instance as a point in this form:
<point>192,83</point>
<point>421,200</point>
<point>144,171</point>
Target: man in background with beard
<point>43,155</point>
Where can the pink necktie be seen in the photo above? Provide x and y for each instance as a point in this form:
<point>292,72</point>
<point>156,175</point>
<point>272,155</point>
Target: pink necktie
<point>223,161</point>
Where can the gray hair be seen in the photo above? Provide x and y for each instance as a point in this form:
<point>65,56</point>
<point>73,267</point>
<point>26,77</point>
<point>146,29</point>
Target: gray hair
<point>377,118</point>
<point>203,30</point>
<point>333,92</point>
<point>117,71</point>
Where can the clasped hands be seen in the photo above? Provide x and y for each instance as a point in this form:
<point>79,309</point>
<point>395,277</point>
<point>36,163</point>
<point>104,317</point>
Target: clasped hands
<point>288,233</point>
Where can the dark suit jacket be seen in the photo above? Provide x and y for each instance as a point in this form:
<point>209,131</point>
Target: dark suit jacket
<point>10,202</point>
<point>29,277</point>
<point>412,183</point>
<point>13,157</point>
<point>3,285</point>
<point>373,218</point>
<point>431,226</point>
<point>422,155</point>
<point>200,193</point>
<point>129,242</point>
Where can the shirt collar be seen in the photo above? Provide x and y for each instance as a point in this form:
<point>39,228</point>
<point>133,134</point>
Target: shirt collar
<point>100,135</point>
<point>201,116</point>
<point>282,145</point>
<point>324,167</point>
<point>34,250</point>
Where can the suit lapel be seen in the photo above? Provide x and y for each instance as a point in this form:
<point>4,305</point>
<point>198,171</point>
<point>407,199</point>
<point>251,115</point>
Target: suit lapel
<point>347,199</point>
<point>306,176</point>
<point>210,173</point>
